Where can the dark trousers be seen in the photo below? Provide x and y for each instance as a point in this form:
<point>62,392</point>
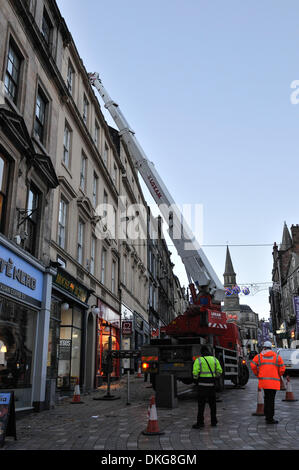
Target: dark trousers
<point>203,397</point>
<point>269,401</point>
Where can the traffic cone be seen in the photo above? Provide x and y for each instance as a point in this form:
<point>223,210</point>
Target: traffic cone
<point>282,384</point>
<point>152,426</point>
<point>76,396</point>
<point>260,404</point>
<point>289,393</point>
<point>139,375</point>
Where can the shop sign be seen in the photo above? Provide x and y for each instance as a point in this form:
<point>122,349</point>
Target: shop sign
<point>7,416</point>
<point>127,327</point>
<point>20,279</point>
<point>64,349</point>
<point>71,286</point>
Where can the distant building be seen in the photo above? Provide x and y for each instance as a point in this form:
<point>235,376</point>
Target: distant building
<point>285,289</point>
<point>242,315</point>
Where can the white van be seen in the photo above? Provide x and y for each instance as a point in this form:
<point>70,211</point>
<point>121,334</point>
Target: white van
<point>290,358</point>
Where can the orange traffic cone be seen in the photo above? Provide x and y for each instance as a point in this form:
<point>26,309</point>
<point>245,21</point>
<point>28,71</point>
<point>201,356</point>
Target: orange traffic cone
<point>139,375</point>
<point>260,404</point>
<point>76,397</point>
<point>152,426</point>
<point>282,384</point>
<point>289,393</point>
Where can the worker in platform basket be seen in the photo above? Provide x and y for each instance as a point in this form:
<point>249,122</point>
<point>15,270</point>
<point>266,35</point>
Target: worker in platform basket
<point>268,366</point>
<point>205,370</point>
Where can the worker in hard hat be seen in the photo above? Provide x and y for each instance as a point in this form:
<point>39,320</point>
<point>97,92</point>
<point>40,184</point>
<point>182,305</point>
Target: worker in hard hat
<point>268,366</point>
<point>205,370</point>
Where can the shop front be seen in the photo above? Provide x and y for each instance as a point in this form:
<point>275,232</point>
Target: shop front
<point>108,337</point>
<point>67,331</point>
<point>22,314</point>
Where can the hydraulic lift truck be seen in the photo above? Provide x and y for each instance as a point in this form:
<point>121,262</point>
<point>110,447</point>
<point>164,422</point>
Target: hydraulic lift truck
<point>172,358</point>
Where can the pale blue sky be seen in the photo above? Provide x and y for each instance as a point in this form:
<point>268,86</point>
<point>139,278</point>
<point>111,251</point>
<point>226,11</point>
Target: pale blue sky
<point>205,84</point>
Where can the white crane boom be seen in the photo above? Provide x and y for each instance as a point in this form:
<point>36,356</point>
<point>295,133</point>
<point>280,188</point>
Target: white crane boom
<point>198,268</point>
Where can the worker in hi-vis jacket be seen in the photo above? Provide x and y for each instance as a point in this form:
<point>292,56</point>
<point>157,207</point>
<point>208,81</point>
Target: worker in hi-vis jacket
<point>205,370</point>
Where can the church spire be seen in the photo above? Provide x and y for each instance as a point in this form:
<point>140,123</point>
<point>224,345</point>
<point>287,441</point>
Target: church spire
<point>229,269</point>
<point>287,241</point>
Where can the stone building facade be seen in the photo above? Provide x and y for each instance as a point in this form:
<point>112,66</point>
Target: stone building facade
<point>285,288</point>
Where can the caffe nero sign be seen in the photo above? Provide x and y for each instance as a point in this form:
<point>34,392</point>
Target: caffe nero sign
<point>19,279</point>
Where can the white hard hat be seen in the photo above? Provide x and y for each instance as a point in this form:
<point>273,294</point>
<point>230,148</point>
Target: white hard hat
<point>267,344</point>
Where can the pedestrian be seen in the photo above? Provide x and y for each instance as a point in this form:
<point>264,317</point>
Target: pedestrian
<point>268,366</point>
<point>205,370</point>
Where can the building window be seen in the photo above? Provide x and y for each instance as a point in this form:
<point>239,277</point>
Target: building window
<point>103,265</point>
<point>113,272</point>
<point>114,174</point>
<point>95,190</point>
<point>106,150</point>
<point>85,109</point>
<point>96,134</point>
<point>62,223</point>
<point>12,76</point>
<point>125,269</point>
<point>40,116</point>
<point>92,255</point>
<point>80,241</point>
<point>83,172</point>
<point>33,216</point>
<point>66,145</point>
<point>47,28</point>
<point>4,167</point>
<point>70,76</point>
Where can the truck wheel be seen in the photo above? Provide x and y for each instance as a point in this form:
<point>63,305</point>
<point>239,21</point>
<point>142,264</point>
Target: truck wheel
<point>243,377</point>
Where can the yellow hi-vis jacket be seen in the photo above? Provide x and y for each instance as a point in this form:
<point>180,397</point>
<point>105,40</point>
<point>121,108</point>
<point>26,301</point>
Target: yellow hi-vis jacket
<point>202,373</point>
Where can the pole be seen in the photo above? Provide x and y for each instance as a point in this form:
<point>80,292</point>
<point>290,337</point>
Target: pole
<point>128,387</point>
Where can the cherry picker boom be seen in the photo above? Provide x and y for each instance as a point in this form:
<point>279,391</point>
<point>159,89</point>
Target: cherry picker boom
<point>171,358</point>
<point>198,268</point>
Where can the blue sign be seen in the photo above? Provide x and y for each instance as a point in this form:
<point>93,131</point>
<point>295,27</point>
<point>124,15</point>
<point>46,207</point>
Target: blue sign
<point>20,279</point>
<point>4,398</point>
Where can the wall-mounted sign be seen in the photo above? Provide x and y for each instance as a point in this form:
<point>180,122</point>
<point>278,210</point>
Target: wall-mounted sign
<point>20,279</point>
<point>7,416</point>
<point>70,284</point>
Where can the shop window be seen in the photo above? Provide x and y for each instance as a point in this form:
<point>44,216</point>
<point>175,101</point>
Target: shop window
<point>69,348</point>
<point>17,339</point>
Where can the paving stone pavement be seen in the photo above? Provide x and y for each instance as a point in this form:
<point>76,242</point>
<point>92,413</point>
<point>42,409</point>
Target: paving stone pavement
<point>114,425</point>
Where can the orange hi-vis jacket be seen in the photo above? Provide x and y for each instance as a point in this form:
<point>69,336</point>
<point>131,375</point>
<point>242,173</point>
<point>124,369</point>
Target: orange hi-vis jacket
<point>268,366</point>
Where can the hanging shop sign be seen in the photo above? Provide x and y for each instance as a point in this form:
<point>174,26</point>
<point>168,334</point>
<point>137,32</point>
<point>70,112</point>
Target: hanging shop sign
<point>19,279</point>
<point>127,327</point>
<point>7,416</point>
<point>70,285</point>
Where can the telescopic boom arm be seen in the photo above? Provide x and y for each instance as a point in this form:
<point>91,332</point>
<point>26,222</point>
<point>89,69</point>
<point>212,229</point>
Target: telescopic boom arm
<point>198,268</point>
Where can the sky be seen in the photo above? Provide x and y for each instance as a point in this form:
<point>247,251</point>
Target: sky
<point>206,86</point>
